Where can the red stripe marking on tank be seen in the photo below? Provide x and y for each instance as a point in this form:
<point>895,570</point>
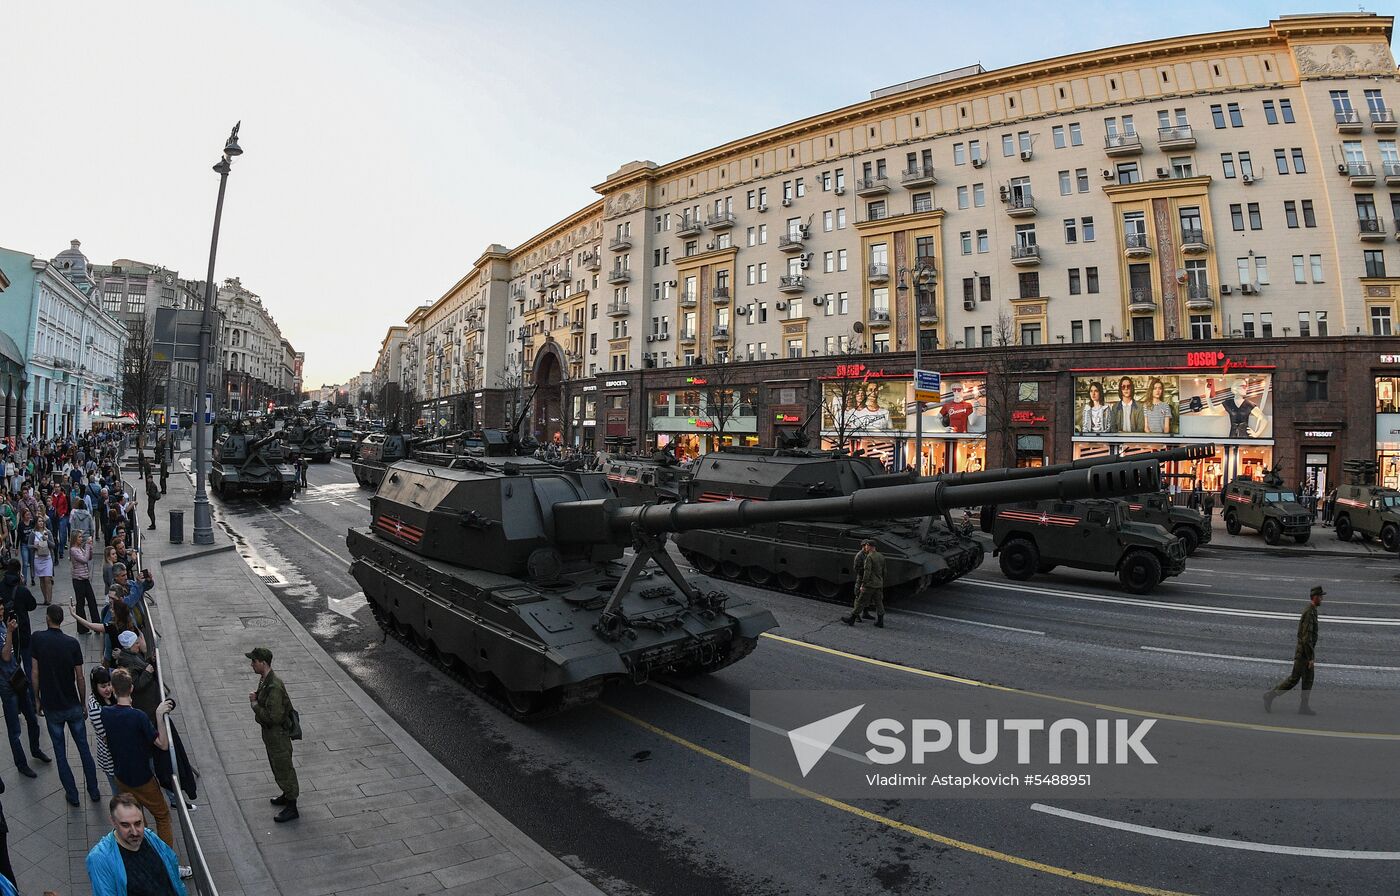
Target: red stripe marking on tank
<point>399,529</point>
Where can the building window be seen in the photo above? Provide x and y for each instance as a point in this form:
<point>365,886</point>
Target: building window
<point>1315,262</point>
<point>1057,134</point>
<point>1255,221</point>
<point>1071,231</point>
<point>984,288</point>
<point>923,202</point>
<point>1030,334</point>
<point>1217,116</point>
<point>1029,283</point>
<point>1066,186</point>
<point>1299,271</point>
<point>1237,216</point>
<point>1298,166</point>
<point>1129,173</point>
<point>1143,329</point>
<point>1247,325</point>
<point>1075,283</point>
<point>1200,326</point>
<point>1086,226</point>
<point>1380,321</point>
<point>1281,160</point>
<point>1091,281</point>
<point>1304,323</point>
<point>962,197</point>
<point>1266,324</point>
<point>983,245</point>
<point>1270,113</point>
<point>1375,262</point>
<point>986,336</point>
<point>1076,331</point>
<point>1227,164</point>
<point>1081,179</point>
<point>1290,214</point>
<point>880,343</point>
<point>1309,219</point>
<point>1322,323</point>
<point>965,238</point>
<point>1317,385</point>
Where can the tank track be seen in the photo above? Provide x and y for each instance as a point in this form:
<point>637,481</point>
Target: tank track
<point>554,704</point>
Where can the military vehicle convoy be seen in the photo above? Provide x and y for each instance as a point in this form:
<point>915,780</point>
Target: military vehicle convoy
<point>1365,509</point>
<point>313,441</point>
<point>1268,506</point>
<point>512,574</point>
<point>817,557</point>
<point>244,463</point>
<point>640,480</point>
<point>378,450</point>
<point>1186,523</point>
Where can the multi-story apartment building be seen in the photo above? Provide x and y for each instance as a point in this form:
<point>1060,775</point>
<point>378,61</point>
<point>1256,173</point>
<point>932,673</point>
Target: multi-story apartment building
<point>1215,197</point>
<point>387,400</point>
<point>71,348</point>
<point>252,351</point>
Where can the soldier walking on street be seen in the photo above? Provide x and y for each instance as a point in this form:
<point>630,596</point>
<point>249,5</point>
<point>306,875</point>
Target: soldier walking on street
<point>870,585</point>
<point>272,709</point>
<point>1302,657</point>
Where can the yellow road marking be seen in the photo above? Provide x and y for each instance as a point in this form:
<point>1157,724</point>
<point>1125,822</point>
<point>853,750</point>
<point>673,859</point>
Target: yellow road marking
<point>972,682</point>
<point>901,826</point>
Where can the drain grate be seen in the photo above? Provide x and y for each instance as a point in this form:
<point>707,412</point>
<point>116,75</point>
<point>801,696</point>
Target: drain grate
<point>272,580</point>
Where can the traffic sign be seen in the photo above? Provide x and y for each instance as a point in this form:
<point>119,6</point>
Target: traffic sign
<point>172,421</point>
<point>928,386</point>
<point>208,408</point>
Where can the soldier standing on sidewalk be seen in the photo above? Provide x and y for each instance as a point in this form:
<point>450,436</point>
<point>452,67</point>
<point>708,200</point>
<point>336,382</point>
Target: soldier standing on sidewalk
<point>1302,657</point>
<point>870,585</point>
<point>271,708</point>
<point>153,494</point>
<point>164,469</point>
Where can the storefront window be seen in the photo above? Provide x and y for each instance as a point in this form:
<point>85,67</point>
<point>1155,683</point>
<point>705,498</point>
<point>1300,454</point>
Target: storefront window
<point>1388,431</point>
<point>875,416</point>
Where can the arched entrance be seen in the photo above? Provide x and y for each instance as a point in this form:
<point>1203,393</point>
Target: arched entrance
<point>547,410</point>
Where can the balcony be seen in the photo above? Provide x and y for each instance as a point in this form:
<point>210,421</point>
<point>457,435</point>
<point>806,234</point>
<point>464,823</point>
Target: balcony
<point>687,335</point>
<point>879,318</point>
<point>792,283</point>
<point>688,226</point>
<point>720,295</point>
<point>1025,256</point>
<point>877,185</point>
<point>619,275</point>
<point>1371,229</point>
<point>1383,121</point>
<point>1348,122</point>
<point>688,300</point>
<point>1020,204</point>
<point>721,332</point>
<point>619,309</point>
<point>1360,173</point>
<point>1391,172</point>
<point>721,221</point>
<point>792,242</point>
<point>543,285</point>
<point>878,272</point>
<point>1193,242</point>
<point>918,176</point>
<point>1129,144</point>
<point>575,326</point>
<point>1141,300</point>
<point>1179,137</point>
<point>620,243</point>
<point>593,262</point>
<point>928,314</point>
<point>1199,297</point>
<point>1135,245</point>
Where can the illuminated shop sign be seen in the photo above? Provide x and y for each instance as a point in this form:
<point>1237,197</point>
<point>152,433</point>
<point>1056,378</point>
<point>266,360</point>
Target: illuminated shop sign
<point>696,381</point>
<point>611,384</point>
<point>786,418</point>
<point>855,407</point>
<point>1318,433</point>
<point>1194,405</point>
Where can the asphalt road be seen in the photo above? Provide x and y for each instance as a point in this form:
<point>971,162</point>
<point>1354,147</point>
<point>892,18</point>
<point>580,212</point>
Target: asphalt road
<point>636,792</point>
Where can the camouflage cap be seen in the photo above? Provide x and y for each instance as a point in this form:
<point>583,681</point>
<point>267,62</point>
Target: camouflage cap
<point>1317,591</point>
<point>259,654</point>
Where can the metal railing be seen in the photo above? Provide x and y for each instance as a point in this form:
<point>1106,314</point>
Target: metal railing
<point>1193,237</point>
<point>1175,134</point>
<point>1020,200</point>
<point>1032,251</point>
<point>1360,169</point>
<point>1347,116</point>
<point>1127,140</point>
<point>917,173</point>
<point>1382,116</point>
<point>1371,226</point>
<point>1135,240</point>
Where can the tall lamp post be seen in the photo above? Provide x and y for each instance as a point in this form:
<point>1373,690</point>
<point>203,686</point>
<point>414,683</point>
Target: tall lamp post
<point>920,276</point>
<point>203,517</point>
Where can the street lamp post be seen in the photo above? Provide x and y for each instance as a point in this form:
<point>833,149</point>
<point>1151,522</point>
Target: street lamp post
<point>203,517</point>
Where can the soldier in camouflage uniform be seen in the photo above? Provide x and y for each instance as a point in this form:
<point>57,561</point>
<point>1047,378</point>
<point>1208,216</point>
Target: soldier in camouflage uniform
<point>870,585</point>
<point>271,707</point>
<point>1302,657</point>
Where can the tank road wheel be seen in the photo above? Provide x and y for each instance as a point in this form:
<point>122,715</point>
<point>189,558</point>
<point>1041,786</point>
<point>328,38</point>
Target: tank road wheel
<point>1232,524</point>
<point>1019,559</point>
<point>826,589</point>
<point>759,576</point>
<point>1189,539</point>
<point>1271,531</point>
<point>788,582</point>
<point>1390,537</point>
<point>480,679</point>
<point>705,564</point>
<point>523,703</point>
<point>1140,572</point>
<point>729,569</point>
<point>1302,539</point>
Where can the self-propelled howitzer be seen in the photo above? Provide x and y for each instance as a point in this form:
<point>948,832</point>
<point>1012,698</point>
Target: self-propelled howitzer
<point>248,463</point>
<point>514,575</point>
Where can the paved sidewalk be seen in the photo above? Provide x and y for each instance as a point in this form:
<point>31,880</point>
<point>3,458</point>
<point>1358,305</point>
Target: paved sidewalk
<point>1323,543</point>
<point>379,814</point>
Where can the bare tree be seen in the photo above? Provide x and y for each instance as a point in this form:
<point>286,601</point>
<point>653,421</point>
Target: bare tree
<point>513,381</point>
<point>1001,392</point>
<point>836,399</point>
<point>723,400</point>
<point>143,381</point>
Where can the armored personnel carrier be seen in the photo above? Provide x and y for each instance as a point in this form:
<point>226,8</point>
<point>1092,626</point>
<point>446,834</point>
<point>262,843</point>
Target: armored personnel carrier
<point>818,557</point>
<point>1366,509</point>
<point>513,575</point>
<point>1268,506</point>
<point>380,449</point>
<point>659,478</point>
<point>245,463</point>
<point>313,441</point>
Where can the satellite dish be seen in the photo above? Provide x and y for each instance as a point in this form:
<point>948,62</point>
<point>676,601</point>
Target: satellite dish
<point>858,327</point>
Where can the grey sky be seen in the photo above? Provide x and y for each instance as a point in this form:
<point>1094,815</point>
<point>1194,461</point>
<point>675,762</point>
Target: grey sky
<point>388,143</point>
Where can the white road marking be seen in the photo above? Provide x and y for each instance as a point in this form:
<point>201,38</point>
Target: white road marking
<point>747,720</point>
<point>1007,628</point>
<point>294,510</point>
<point>335,503</point>
<point>1220,842</point>
<point>1185,608</point>
<point>1257,659</point>
<point>346,606</point>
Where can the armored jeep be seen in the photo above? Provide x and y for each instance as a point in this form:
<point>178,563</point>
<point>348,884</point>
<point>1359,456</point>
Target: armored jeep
<point>1370,511</point>
<point>1191,526</point>
<point>1037,536</point>
<point>1268,506</point>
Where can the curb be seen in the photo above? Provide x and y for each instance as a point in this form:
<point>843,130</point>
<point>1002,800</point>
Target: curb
<point>1293,552</point>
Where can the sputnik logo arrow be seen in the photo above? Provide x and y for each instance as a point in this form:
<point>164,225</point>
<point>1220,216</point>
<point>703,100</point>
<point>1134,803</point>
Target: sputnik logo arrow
<point>812,741</point>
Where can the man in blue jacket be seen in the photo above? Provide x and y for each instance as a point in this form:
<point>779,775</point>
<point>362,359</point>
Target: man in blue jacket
<point>132,858</point>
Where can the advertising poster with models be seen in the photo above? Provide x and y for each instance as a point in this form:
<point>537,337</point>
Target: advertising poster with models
<point>875,407</point>
<point>1234,406</point>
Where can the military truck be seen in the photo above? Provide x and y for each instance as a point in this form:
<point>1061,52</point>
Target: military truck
<point>345,442</point>
<point>1037,536</point>
<point>1366,509</point>
<point>1268,506</point>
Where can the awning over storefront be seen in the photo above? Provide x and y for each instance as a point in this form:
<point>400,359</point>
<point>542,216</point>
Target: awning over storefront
<point>9,350</point>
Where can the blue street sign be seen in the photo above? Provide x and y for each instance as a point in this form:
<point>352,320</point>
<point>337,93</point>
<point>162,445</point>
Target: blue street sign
<point>208,407</point>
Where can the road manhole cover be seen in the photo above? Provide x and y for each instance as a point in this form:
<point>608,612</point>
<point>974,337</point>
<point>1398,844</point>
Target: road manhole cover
<point>257,621</point>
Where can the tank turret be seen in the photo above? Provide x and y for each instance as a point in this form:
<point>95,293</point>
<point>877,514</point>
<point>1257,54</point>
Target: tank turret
<point>514,574</point>
<point>244,462</point>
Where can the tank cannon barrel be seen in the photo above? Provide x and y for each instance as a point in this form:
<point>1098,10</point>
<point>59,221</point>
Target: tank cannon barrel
<point>1160,456</point>
<point>606,519</point>
<point>255,444</point>
<point>437,440</point>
